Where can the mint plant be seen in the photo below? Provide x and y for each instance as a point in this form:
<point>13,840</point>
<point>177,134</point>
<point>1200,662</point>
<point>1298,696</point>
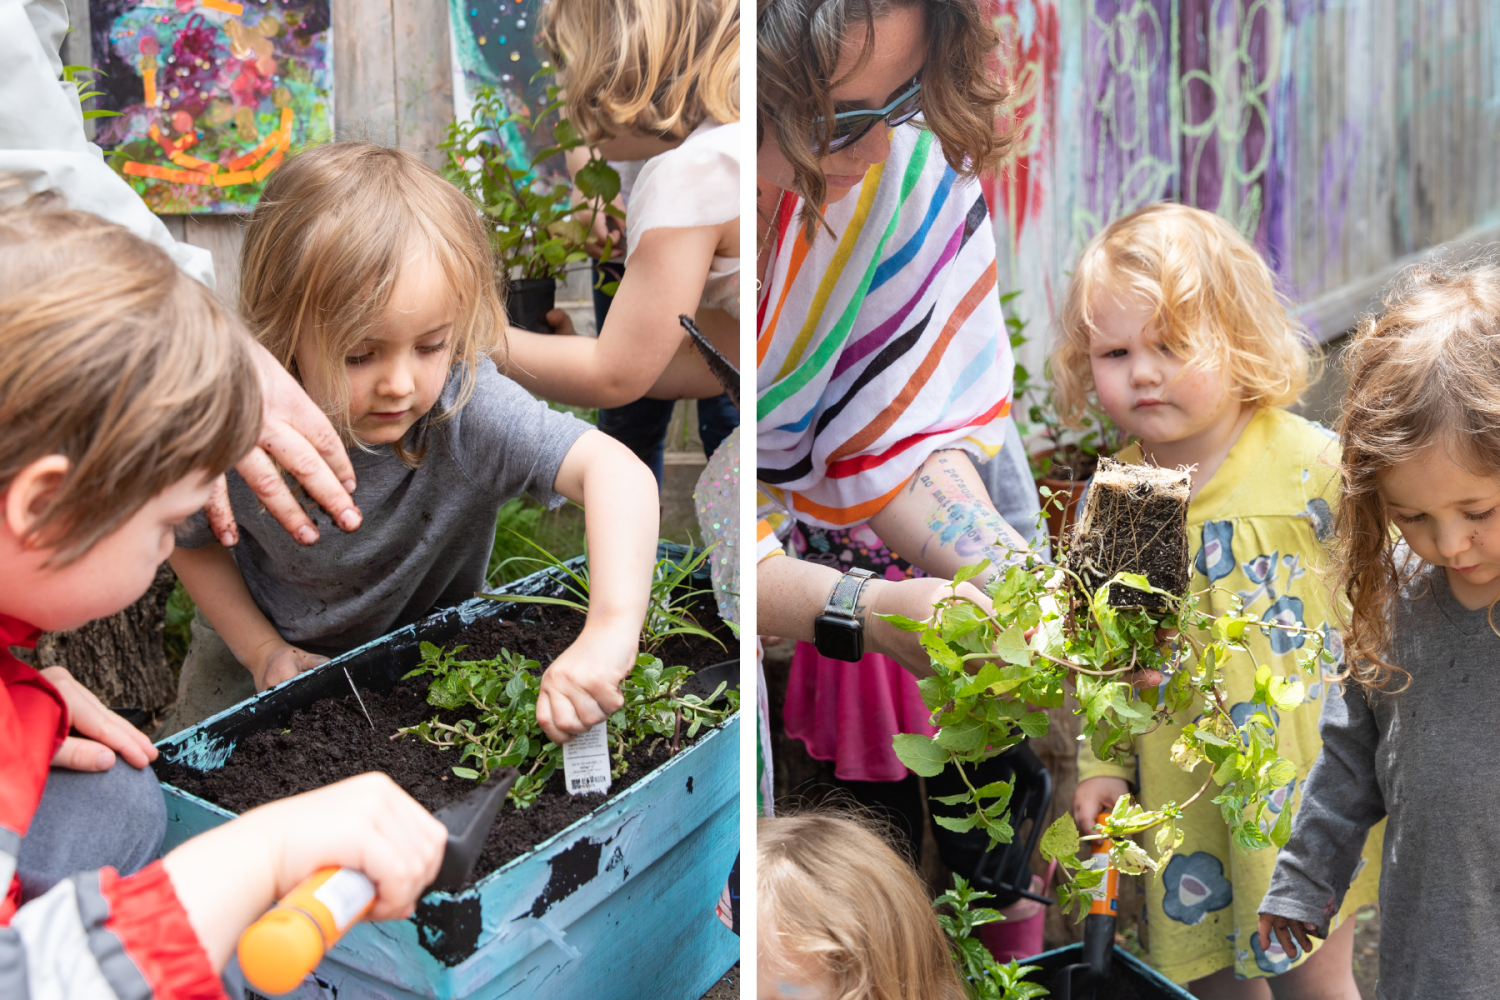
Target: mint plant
<point>506,734</point>
<point>983,977</point>
<point>668,612</point>
<point>993,671</point>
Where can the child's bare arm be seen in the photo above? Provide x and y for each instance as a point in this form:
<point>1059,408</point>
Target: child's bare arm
<point>214,583</point>
<point>664,279</point>
<point>621,520</point>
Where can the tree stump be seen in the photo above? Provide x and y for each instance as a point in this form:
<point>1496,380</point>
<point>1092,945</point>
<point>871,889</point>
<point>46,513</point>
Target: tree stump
<point>120,658</point>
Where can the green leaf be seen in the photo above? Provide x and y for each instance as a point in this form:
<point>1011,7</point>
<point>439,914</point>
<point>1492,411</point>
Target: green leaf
<point>1011,646</point>
<point>965,736</point>
<point>1286,692</point>
<point>962,798</point>
<point>970,572</point>
<point>1034,724</point>
<point>904,623</point>
<point>1061,839</point>
<point>597,179</point>
<point>920,754</point>
<point>466,772</point>
<point>1281,832</point>
<point>957,825</point>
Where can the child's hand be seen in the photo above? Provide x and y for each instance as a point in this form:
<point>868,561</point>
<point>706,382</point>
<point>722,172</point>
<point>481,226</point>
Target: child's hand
<point>226,877</point>
<point>104,733</point>
<point>582,686</point>
<point>1094,796</point>
<point>1285,928</point>
<point>281,662</point>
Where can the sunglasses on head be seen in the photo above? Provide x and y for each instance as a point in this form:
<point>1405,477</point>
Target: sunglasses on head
<point>851,126</point>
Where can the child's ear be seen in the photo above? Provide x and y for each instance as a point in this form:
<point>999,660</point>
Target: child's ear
<point>31,491</point>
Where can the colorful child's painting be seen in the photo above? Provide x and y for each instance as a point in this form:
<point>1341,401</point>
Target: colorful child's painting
<point>493,45</point>
<point>211,93</point>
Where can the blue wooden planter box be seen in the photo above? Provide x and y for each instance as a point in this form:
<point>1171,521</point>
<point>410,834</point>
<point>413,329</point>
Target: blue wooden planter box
<point>619,904</point>
<point>1128,975</point>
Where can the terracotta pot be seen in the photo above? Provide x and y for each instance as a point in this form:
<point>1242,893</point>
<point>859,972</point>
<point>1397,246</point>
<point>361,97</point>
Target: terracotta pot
<point>1071,490</point>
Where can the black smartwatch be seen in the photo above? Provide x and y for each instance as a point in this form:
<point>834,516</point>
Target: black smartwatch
<point>837,633</point>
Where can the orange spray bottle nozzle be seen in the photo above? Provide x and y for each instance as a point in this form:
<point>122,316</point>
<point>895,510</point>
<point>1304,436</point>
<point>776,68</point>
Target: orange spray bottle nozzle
<point>278,951</point>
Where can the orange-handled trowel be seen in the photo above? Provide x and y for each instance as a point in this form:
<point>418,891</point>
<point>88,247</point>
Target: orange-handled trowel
<point>279,950</point>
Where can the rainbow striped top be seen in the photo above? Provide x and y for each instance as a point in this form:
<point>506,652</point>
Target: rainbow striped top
<point>880,345</point>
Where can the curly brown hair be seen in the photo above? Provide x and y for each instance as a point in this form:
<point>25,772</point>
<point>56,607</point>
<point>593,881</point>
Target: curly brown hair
<point>1426,369</point>
<point>798,43</point>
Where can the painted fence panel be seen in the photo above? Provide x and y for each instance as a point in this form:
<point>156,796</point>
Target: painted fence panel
<point>1342,137</point>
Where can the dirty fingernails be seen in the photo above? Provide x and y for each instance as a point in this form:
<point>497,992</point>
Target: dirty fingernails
<point>350,519</point>
<point>307,534</point>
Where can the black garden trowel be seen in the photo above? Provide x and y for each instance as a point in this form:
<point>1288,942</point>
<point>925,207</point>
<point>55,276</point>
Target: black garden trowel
<point>727,374</point>
<point>1082,980</point>
<point>468,821</point>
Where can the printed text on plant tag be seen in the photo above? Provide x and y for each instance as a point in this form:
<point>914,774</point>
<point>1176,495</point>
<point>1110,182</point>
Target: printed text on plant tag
<point>586,761</point>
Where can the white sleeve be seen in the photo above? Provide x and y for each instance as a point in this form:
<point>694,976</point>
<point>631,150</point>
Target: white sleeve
<point>696,184</point>
<point>42,142</point>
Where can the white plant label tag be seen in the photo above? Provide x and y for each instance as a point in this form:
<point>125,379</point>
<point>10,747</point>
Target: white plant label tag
<point>586,761</point>
<point>346,894</point>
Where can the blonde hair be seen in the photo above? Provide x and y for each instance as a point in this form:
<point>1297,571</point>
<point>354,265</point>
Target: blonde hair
<point>1426,369</point>
<point>324,250</point>
<point>832,891</point>
<point>654,66</point>
<point>113,358</point>
<point>1214,304</point>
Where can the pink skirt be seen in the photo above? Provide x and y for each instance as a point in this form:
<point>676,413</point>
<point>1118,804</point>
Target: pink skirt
<point>848,712</point>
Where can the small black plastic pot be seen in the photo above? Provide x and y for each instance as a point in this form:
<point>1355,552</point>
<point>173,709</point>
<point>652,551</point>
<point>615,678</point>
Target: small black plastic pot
<point>527,302</point>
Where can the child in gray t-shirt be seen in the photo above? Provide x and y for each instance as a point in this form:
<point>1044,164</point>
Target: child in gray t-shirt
<point>371,279</point>
<point>1407,736</point>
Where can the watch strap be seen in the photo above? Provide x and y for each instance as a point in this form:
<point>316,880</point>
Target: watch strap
<point>844,597</point>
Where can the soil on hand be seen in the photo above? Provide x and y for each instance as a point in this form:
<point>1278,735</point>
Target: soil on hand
<point>331,739</point>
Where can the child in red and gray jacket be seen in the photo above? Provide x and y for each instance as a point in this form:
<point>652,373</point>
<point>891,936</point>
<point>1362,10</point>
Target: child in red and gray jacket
<point>125,391</point>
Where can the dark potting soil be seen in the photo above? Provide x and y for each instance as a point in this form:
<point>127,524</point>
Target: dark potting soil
<point>331,739</point>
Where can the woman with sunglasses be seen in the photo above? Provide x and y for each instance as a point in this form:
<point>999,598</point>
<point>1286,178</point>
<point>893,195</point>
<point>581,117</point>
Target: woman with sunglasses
<point>884,371</point>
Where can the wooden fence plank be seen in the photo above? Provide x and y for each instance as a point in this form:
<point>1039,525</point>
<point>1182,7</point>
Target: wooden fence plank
<point>424,75</point>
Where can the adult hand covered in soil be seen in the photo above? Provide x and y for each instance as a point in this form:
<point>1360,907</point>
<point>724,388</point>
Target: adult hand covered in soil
<point>103,733</point>
<point>299,438</point>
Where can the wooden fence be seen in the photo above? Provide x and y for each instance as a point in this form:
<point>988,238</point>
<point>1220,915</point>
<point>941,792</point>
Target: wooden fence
<point>1344,138</point>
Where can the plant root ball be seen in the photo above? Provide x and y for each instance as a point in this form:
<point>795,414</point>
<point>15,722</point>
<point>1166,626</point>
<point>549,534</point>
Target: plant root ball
<point>1134,521</point>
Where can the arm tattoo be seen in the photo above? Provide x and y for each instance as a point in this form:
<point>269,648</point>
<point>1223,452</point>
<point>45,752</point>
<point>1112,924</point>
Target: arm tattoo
<point>962,520</point>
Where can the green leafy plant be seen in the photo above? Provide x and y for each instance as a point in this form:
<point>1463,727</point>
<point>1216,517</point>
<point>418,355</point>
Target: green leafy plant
<point>983,977</point>
<point>668,612</point>
<point>538,227</point>
<point>993,671</point>
<point>1074,452</point>
<point>505,732</point>
<point>78,77</point>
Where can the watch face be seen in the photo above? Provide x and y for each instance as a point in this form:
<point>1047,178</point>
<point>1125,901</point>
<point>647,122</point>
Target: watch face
<point>838,638</point>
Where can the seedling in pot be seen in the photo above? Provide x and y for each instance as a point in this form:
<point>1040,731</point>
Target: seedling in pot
<point>1114,604</point>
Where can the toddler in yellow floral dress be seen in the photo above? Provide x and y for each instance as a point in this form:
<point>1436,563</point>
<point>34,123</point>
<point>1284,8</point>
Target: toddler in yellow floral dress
<point>1173,328</point>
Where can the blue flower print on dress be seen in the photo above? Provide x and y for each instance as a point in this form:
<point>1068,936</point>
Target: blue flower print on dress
<point>1240,712</point>
<point>1285,610</point>
<point>1262,569</point>
<point>1216,555</point>
<point>1321,516</point>
<point>1277,802</point>
<point>1193,885</point>
<point>1274,960</point>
